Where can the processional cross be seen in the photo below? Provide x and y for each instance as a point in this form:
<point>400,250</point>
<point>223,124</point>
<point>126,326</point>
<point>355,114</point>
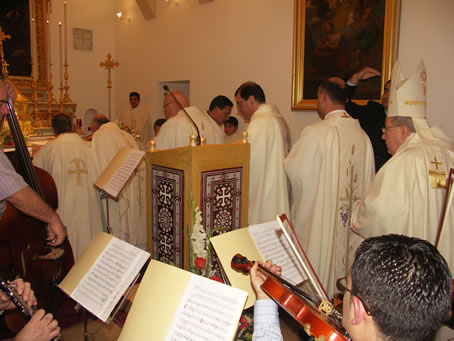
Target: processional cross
<point>109,64</point>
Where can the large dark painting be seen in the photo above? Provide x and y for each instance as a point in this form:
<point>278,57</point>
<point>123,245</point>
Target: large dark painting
<point>15,22</point>
<point>338,38</point>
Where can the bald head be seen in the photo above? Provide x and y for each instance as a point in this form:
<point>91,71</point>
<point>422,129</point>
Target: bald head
<point>170,107</point>
<point>331,95</point>
<point>98,121</point>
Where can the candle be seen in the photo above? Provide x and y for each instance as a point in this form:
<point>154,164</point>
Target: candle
<point>32,48</point>
<point>48,48</point>
<point>61,62</point>
<point>66,47</point>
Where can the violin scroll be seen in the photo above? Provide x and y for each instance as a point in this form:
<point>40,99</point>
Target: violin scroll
<point>241,264</point>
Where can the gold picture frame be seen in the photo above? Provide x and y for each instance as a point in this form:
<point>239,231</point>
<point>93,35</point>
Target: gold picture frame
<point>340,40</point>
<point>24,80</point>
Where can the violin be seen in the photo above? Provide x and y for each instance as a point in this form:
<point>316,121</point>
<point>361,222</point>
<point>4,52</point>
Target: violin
<point>321,321</point>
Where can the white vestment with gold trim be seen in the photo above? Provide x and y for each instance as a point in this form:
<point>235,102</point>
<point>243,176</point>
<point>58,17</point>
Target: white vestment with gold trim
<point>268,188</point>
<point>401,198</point>
<point>138,119</point>
<point>128,216</point>
<point>175,132</point>
<point>69,161</point>
<point>329,167</point>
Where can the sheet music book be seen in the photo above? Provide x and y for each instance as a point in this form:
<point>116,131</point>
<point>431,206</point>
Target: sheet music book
<point>101,276</point>
<point>257,243</point>
<point>174,304</point>
<point>117,173</point>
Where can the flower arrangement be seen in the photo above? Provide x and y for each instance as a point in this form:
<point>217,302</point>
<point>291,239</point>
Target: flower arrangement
<point>124,127</point>
<point>200,247</point>
<point>6,138</point>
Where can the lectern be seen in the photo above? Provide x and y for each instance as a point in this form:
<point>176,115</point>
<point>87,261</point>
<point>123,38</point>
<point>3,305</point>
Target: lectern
<point>217,179</point>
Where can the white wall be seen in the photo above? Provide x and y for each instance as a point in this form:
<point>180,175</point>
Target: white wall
<point>220,44</point>
<point>87,80</point>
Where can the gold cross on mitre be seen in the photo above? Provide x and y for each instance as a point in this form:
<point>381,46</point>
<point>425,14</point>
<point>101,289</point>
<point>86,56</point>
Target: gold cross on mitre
<point>423,78</point>
<point>3,36</point>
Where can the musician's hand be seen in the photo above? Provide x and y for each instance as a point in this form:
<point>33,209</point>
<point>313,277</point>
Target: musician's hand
<point>23,289</point>
<point>41,327</point>
<point>56,231</point>
<point>257,278</point>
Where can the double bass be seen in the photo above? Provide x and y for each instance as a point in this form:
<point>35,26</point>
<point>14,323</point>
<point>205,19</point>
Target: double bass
<point>24,251</point>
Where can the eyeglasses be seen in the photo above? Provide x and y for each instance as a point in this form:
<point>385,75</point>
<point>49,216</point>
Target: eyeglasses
<point>386,128</point>
<point>341,285</point>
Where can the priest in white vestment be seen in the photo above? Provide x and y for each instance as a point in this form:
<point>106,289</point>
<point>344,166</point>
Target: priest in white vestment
<point>407,194</point>
<point>68,160</point>
<point>128,216</point>
<point>176,131</point>
<point>137,118</point>
<point>269,137</point>
<point>329,167</point>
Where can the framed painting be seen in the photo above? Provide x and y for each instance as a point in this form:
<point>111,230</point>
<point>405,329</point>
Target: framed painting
<point>21,45</point>
<point>339,38</point>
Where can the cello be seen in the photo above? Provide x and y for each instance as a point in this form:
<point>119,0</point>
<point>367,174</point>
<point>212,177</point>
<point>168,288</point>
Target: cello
<point>23,248</point>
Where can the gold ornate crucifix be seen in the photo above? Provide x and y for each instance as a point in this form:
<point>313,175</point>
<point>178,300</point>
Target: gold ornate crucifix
<point>109,64</point>
<point>3,36</point>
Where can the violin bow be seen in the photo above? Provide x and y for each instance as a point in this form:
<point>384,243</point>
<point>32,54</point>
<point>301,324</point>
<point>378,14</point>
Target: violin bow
<point>301,255</point>
<point>446,205</point>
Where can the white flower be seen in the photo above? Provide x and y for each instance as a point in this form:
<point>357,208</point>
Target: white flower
<point>199,237</point>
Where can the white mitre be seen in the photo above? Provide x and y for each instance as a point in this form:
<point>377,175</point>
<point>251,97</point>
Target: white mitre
<point>407,98</point>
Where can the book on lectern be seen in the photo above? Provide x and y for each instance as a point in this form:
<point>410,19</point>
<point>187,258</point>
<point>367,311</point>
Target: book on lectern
<point>119,170</point>
<point>174,304</point>
<point>257,243</point>
<point>102,275</point>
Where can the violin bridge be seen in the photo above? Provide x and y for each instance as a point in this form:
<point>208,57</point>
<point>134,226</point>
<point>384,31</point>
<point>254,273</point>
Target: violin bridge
<point>326,307</point>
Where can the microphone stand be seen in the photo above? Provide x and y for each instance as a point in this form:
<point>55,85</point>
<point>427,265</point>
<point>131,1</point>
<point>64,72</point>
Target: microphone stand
<point>166,88</point>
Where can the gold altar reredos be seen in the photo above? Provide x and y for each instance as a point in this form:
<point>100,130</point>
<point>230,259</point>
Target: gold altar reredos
<point>24,84</point>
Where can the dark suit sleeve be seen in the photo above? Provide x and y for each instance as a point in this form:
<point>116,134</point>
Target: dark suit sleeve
<point>354,110</point>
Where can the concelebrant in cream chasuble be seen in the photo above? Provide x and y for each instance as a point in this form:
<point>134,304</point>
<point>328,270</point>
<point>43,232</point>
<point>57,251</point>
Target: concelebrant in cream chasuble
<point>329,167</point>
<point>406,196</point>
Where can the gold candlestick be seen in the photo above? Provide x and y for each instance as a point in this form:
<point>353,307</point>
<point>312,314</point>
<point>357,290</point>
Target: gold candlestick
<point>50,86</point>
<point>61,67</point>
<point>66,98</point>
<point>109,64</point>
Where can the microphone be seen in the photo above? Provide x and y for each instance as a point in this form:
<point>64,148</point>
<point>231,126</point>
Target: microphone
<point>166,88</point>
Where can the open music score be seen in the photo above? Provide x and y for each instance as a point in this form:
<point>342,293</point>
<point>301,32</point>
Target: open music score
<point>117,173</point>
<point>174,304</point>
<point>103,273</point>
<point>257,242</point>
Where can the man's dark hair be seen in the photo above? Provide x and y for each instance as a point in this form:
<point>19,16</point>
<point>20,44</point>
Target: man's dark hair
<point>61,123</point>
<point>220,102</point>
<point>335,91</point>
<point>159,122</point>
<point>99,120</point>
<point>135,94</point>
<point>406,284</point>
<point>251,89</point>
<point>232,120</point>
